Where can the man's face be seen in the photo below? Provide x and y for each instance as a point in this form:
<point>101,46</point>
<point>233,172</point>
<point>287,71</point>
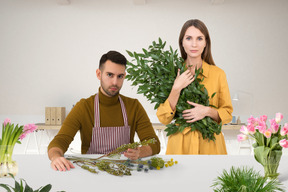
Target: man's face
<point>111,77</point>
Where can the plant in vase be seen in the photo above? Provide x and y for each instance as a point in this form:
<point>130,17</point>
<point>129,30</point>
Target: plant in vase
<point>11,135</point>
<point>269,141</point>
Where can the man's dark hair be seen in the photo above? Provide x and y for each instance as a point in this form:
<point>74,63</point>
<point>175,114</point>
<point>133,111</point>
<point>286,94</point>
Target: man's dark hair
<point>113,56</point>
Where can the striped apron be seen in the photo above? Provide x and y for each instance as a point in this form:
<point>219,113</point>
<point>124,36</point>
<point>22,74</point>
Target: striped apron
<point>107,139</point>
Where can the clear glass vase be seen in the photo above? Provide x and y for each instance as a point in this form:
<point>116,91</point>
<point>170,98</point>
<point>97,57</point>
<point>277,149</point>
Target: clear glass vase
<point>7,165</point>
<point>271,165</point>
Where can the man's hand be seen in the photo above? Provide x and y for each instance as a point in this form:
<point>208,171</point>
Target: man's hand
<point>132,154</point>
<point>61,164</point>
<point>58,162</point>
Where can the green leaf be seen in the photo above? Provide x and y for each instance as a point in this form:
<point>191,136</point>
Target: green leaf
<point>130,53</point>
<point>46,188</point>
<point>7,187</point>
<point>213,95</point>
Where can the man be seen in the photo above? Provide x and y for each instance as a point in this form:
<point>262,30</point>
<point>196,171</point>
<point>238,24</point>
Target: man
<point>105,120</point>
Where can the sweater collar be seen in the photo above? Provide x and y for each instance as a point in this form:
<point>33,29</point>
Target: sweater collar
<point>103,99</point>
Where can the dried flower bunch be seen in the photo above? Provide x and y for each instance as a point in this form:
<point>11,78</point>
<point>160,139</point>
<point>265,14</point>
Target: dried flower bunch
<point>125,147</point>
<point>154,73</point>
<point>119,167</point>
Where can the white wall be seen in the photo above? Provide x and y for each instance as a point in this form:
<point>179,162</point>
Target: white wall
<point>49,53</point>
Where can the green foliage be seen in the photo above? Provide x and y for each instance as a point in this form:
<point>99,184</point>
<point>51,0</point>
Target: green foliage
<point>20,187</point>
<point>154,73</point>
<point>245,180</point>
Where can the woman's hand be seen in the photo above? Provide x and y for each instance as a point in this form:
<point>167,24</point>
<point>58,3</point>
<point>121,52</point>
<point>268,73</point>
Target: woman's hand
<point>195,114</point>
<point>183,80</point>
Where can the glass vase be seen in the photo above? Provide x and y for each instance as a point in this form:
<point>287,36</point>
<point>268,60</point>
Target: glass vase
<point>271,164</point>
<point>7,165</point>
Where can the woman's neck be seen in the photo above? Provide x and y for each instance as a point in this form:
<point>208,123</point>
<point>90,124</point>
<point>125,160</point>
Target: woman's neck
<point>192,62</point>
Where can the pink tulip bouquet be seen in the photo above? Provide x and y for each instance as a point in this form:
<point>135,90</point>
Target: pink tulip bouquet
<point>11,135</point>
<point>269,141</point>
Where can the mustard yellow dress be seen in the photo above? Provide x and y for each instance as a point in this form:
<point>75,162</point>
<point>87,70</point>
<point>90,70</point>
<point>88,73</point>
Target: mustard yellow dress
<point>192,142</point>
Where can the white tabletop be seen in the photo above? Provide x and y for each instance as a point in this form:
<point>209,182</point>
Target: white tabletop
<point>193,173</point>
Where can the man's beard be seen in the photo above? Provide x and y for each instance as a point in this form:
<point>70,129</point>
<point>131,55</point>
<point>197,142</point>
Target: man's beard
<point>111,94</point>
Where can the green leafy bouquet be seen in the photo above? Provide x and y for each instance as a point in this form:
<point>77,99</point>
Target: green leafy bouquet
<point>155,71</point>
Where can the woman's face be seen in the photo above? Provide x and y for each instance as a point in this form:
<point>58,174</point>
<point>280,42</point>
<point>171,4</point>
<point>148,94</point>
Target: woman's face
<point>193,42</point>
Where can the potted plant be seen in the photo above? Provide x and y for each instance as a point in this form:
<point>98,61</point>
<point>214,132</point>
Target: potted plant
<point>244,180</point>
<point>269,141</point>
<point>11,134</point>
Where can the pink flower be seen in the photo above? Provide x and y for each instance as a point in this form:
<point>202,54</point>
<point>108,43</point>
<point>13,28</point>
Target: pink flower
<point>251,128</point>
<point>263,118</point>
<point>283,143</point>
<point>261,127</point>
<point>242,137</point>
<point>22,136</point>
<point>6,121</point>
<point>278,117</point>
<point>262,124</point>
<point>244,130</point>
<point>284,130</point>
<point>268,133</point>
<point>274,126</point>
<point>29,128</point>
<point>251,120</point>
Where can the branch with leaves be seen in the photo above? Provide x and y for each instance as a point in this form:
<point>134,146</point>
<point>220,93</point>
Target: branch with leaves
<point>154,72</point>
<point>125,147</point>
<point>120,167</point>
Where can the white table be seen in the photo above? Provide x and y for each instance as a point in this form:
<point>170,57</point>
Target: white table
<point>192,173</point>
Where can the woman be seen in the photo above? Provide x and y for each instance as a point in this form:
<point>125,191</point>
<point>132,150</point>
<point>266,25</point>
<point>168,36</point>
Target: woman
<point>195,47</point>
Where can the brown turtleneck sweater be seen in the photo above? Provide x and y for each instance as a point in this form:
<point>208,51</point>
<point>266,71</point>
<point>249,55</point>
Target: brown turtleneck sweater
<point>81,118</point>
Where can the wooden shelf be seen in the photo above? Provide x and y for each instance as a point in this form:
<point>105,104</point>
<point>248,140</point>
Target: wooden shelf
<point>43,126</point>
<point>159,126</point>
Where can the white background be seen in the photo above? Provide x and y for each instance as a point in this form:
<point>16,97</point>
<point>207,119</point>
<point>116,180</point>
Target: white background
<point>49,52</point>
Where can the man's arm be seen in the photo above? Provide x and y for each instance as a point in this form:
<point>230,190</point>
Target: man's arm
<point>58,161</point>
